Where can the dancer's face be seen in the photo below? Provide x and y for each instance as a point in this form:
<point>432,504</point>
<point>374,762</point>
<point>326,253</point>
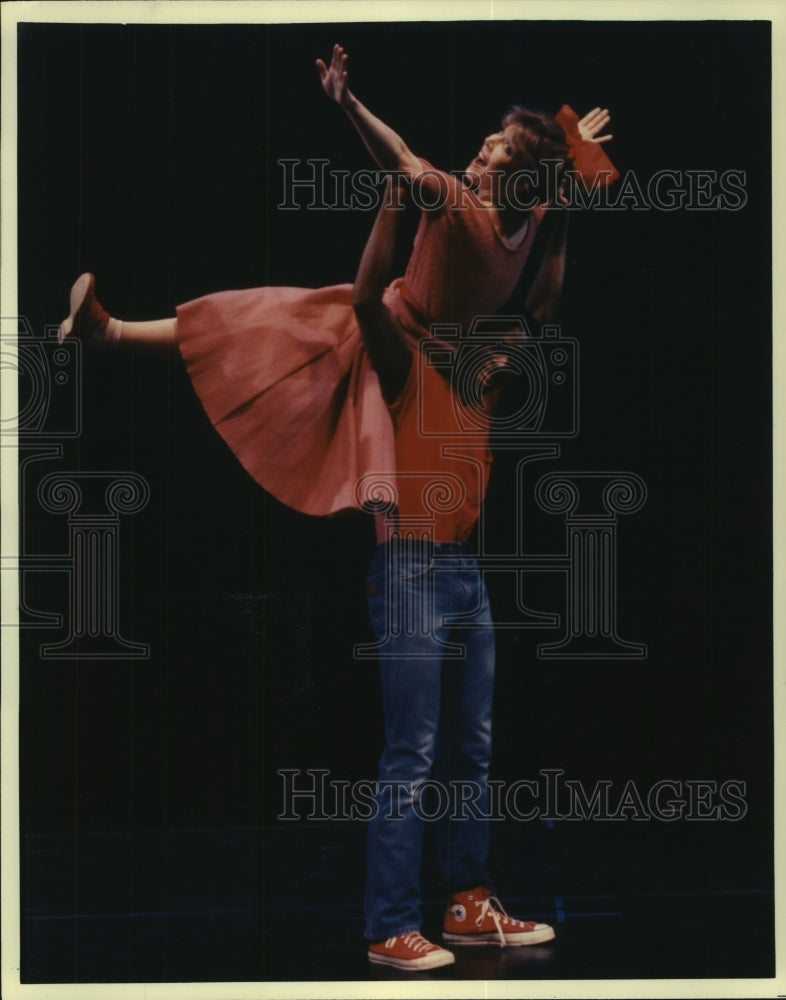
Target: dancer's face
<point>499,153</point>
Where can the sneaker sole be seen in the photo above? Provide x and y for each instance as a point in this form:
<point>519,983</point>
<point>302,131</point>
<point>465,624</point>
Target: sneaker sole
<point>413,964</point>
<point>513,941</point>
<point>79,291</point>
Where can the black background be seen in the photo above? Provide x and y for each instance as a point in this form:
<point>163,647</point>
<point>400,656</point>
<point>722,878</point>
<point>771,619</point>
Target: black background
<point>148,156</point>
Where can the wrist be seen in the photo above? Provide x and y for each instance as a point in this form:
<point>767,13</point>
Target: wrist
<point>348,101</point>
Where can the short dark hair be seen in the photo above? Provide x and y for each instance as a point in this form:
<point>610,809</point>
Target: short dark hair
<point>542,137</point>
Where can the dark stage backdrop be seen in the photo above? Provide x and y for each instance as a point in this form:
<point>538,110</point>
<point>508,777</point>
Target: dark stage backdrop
<point>148,155</point>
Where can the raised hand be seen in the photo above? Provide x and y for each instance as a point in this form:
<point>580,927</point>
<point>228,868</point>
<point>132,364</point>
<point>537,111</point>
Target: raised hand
<point>386,146</point>
<point>594,122</point>
<point>334,77</point>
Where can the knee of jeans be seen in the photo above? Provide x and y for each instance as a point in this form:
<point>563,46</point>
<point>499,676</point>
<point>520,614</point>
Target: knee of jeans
<point>475,749</point>
<point>408,763</point>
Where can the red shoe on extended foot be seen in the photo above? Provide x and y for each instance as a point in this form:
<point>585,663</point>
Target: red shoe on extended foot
<point>477,917</point>
<point>88,319</point>
<point>410,951</point>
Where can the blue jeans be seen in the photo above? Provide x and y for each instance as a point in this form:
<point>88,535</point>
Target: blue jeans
<point>430,611</point>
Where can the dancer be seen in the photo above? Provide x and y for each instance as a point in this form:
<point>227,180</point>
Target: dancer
<point>317,393</point>
<point>437,710</point>
<point>268,363</point>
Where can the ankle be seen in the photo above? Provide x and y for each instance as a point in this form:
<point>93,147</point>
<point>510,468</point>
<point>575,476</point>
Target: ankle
<point>112,332</point>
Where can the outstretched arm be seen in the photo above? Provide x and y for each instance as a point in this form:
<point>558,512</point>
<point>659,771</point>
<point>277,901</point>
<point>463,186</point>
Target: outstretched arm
<point>388,347</point>
<point>386,146</point>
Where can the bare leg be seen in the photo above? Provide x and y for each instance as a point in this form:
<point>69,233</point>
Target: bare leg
<point>154,331</point>
<point>88,320</point>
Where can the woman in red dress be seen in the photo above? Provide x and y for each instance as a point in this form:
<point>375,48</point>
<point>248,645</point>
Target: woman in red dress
<point>282,372</point>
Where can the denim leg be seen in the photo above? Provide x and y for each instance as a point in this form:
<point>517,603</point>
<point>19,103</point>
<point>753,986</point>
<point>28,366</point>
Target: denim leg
<point>464,749</point>
<point>406,617</point>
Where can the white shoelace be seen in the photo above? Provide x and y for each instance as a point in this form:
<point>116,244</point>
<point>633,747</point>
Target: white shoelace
<point>496,911</point>
<point>413,940</point>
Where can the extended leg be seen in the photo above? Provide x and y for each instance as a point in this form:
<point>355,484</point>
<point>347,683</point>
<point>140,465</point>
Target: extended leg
<point>88,320</point>
<point>153,331</point>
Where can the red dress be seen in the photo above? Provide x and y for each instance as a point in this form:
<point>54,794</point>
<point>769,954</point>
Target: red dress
<point>282,372</point>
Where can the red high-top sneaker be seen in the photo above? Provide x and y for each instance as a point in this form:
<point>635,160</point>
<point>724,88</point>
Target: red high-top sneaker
<point>477,917</point>
<point>409,951</point>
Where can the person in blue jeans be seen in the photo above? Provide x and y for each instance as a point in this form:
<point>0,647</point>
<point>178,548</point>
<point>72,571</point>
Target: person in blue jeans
<point>430,611</point>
